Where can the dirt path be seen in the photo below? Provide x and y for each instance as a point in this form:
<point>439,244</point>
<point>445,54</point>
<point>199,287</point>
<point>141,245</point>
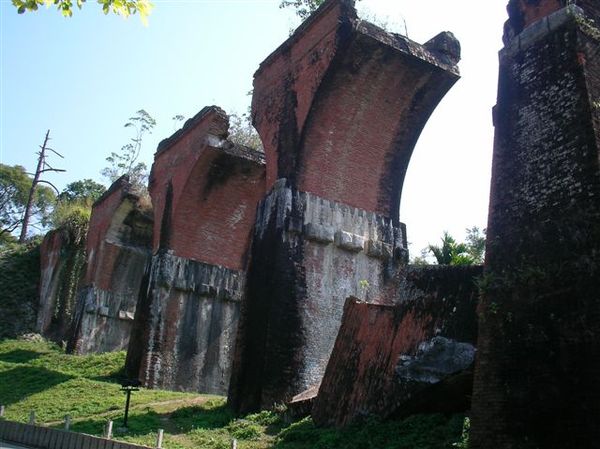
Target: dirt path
<point>187,401</point>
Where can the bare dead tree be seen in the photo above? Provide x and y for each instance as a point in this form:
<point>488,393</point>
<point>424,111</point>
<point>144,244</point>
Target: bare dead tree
<point>42,167</point>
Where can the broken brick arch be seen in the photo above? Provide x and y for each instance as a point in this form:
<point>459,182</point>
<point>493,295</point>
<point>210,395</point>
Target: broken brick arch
<point>174,161</point>
<point>204,189</point>
<point>216,208</point>
<point>341,105</point>
<point>367,165</point>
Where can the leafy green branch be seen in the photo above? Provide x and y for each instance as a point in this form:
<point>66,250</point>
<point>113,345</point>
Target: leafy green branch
<point>451,252</point>
<point>125,162</point>
<point>124,8</point>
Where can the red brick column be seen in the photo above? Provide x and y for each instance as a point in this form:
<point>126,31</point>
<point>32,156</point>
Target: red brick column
<point>339,107</point>
<point>118,248</point>
<point>536,380</point>
<point>204,189</point>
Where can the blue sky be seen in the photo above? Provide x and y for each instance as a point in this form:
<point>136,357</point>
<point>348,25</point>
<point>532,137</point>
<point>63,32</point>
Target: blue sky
<point>83,77</point>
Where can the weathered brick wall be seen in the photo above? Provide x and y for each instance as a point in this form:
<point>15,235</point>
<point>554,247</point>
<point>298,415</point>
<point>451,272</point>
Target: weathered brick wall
<point>539,343</point>
<point>378,100</point>
<point>215,212</point>
<point>99,261</point>
<point>415,356</point>
<point>330,220</point>
<point>338,69</point>
<point>591,8</point>
<point>176,157</point>
<point>287,81</point>
<point>523,13</point>
<point>62,265</point>
<point>205,190</point>
<point>118,250</point>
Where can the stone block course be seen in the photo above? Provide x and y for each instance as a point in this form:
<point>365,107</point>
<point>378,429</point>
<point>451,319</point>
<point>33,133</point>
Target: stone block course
<point>291,265</point>
<point>195,353</point>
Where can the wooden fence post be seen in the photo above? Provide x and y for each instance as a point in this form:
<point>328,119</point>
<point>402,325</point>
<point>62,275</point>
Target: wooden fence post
<point>159,439</point>
<point>109,429</point>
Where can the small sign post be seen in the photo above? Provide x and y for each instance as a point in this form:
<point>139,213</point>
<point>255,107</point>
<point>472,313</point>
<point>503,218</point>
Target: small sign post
<point>127,386</point>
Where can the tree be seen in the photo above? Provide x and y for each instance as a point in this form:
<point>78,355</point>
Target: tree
<point>176,119</point>
<point>14,188</point>
<point>476,243</point>
<point>123,8</point>
<point>15,185</point>
<point>304,8</point>
<point>242,132</point>
<point>86,190</point>
<point>74,208</point>
<point>451,252</point>
<point>126,162</point>
<point>42,167</point>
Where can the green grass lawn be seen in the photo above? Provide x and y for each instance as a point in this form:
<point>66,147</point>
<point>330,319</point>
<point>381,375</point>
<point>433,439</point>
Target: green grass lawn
<point>39,376</point>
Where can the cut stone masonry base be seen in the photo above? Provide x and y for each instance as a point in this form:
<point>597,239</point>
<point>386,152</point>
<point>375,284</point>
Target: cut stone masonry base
<point>329,222</point>
<point>339,107</point>
<point>309,255</point>
<point>186,325</point>
<point>103,320</point>
<point>117,250</point>
<point>170,271</point>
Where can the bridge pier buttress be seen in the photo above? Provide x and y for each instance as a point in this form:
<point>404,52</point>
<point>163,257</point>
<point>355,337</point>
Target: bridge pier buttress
<point>536,379</point>
<point>339,107</point>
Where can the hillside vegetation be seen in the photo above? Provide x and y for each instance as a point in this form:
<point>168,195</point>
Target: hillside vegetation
<point>19,279</point>
<point>37,375</point>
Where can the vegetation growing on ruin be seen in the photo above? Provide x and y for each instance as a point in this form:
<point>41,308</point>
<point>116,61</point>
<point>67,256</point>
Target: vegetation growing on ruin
<point>588,26</point>
<point>452,252</point>
<point>19,277</point>
<point>37,375</point>
<point>126,160</point>
<point>241,131</point>
<point>303,8</point>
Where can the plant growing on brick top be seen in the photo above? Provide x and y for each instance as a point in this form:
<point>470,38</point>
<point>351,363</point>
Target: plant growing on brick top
<point>125,162</point>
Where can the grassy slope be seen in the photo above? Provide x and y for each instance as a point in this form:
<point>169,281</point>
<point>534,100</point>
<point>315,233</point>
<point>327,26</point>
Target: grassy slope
<point>38,376</point>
